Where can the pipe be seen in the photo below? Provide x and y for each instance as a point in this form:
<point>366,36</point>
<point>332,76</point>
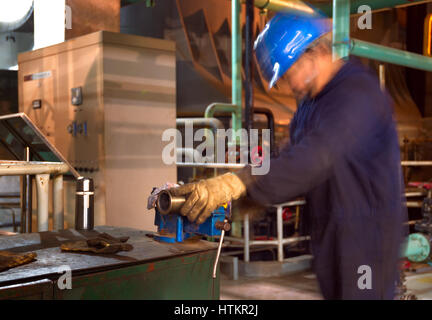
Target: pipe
<point>279,222</point>
<point>167,203</point>
<point>42,187</point>
<point>375,5</point>
<point>246,255</point>
<point>26,198</point>
<point>382,53</point>
<point>58,214</point>
<point>189,153</point>
<point>249,101</point>
<point>205,122</point>
<point>13,168</point>
<point>416,163</point>
<point>341,29</point>
<point>286,6</point>
<point>271,125</point>
<point>235,111</point>
<point>236,64</point>
<point>212,165</point>
<point>212,122</point>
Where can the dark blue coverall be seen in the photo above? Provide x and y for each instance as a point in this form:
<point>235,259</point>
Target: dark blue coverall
<point>344,158</point>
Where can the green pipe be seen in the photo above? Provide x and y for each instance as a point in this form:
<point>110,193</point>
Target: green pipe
<point>341,29</point>
<point>373,4</point>
<point>219,107</point>
<point>236,64</point>
<point>385,54</point>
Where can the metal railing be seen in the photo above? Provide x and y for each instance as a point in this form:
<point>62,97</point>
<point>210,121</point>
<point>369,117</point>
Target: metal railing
<point>279,242</point>
<point>42,172</point>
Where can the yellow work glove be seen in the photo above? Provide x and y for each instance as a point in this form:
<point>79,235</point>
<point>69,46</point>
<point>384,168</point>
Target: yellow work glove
<point>205,196</point>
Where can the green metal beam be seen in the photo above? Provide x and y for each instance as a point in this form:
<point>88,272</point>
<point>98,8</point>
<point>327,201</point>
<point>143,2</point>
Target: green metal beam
<point>341,29</point>
<point>373,4</point>
<point>382,53</point>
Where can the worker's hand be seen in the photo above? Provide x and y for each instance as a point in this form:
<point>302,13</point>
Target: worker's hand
<point>205,196</point>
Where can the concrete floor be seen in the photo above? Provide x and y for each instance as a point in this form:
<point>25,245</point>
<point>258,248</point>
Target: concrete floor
<point>302,286</point>
<point>299,286</point>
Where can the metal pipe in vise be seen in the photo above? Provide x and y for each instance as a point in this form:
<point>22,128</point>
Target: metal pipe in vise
<point>168,204</point>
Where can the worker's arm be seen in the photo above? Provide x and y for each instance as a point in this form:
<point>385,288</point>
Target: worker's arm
<point>348,125</point>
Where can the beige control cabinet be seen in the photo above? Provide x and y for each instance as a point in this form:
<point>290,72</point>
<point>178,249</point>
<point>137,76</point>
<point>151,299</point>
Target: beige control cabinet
<point>104,100</point>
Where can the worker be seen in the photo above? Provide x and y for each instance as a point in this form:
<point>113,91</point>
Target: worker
<point>343,156</point>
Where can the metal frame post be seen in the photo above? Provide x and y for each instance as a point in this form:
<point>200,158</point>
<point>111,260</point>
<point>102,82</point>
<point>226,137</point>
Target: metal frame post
<point>58,209</point>
<point>42,187</point>
<point>246,256</point>
<point>279,222</point>
<point>341,29</point>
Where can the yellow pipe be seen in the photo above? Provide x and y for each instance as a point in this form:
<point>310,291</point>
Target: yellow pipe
<point>284,5</point>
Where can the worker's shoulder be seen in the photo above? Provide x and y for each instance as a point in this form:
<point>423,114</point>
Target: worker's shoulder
<point>357,93</point>
<point>359,85</point>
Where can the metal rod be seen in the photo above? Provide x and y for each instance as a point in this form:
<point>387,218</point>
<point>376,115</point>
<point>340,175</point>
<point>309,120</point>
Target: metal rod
<point>279,222</point>
<point>248,64</point>
<point>236,64</point>
<point>42,187</point>
<point>207,122</point>
<point>268,242</point>
<point>212,165</point>
<point>14,168</point>
<point>189,153</point>
<point>416,163</point>
<point>291,203</point>
<point>246,256</point>
<point>26,199</point>
<point>341,29</point>
<point>414,204</point>
<point>271,125</point>
<point>286,6</point>
<point>218,252</point>
<point>382,53</point>
<point>58,209</point>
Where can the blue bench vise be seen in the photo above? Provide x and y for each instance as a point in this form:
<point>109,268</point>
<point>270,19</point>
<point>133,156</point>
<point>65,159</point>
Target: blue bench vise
<point>174,227</point>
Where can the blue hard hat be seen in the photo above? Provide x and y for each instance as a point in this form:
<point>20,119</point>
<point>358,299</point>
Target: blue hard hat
<point>284,39</point>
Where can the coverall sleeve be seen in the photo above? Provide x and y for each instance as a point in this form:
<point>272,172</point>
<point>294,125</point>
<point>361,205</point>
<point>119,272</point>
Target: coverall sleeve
<point>346,125</point>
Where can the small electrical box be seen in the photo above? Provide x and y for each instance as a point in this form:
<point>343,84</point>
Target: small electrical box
<point>77,98</point>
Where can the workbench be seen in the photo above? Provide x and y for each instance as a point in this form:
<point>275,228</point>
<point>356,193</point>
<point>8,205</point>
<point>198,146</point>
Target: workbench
<point>152,270</point>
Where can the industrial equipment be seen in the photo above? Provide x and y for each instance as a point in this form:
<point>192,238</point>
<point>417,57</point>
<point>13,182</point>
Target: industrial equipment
<point>104,100</point>
<point>173,227</point>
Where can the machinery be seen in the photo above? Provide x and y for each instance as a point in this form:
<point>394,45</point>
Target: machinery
<point>95,97</point>
<point>173,227</point>
<point>419,243</point>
